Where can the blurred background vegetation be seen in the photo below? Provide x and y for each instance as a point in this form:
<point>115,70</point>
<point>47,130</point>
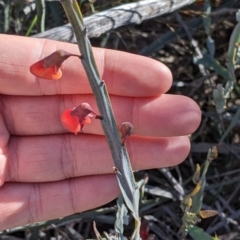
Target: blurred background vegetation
<point>178,40</point>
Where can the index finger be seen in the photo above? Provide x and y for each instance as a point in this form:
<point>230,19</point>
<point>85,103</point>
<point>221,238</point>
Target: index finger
<point>125,74</point>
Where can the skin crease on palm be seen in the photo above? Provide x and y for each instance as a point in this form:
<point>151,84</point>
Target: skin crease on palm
<point>46,172</point>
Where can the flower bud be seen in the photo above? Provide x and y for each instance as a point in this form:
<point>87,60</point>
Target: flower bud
<point>126,129</point>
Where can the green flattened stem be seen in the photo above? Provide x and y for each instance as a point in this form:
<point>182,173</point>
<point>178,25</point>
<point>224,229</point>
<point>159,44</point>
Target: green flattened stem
<point>119,153</point>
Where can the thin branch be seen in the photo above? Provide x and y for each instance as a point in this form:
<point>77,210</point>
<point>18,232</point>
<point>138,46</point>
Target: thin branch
<point>119,153</point>
<point>132,13</point>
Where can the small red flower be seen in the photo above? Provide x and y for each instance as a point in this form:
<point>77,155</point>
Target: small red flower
<point>126,129</point>
<point>199,3</point>
<point>75,119</point>
<point>144,230</point>
<point>70,122</point>
<point>50,66</point>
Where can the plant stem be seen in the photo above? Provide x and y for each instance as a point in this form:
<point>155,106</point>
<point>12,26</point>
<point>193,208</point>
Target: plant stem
<point>119,153</point>
<point>41,13</point>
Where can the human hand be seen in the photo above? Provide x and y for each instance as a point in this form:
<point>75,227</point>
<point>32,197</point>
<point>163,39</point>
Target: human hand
<point>49,173</point>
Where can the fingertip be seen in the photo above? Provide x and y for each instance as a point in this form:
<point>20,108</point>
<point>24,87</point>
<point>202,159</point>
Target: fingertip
<point>193,114</point>
<point>183,149</point>
<point>178,151</point>
<point>161,78</point>
<point>3,163</point>
<point>133,75</point>
<point>166,75</point>
<point>161,152</point>
<point>1,182</point>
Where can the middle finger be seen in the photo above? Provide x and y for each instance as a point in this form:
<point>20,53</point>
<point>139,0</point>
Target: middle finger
<point>167,115</point>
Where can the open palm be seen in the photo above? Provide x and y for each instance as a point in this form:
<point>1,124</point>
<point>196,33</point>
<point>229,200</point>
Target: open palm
<point>46,172</point>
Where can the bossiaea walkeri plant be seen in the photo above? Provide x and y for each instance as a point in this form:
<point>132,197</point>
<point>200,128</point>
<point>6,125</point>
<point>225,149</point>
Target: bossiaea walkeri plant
<point>74,119</point>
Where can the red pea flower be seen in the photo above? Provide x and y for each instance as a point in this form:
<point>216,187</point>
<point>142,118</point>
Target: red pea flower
<point>75,119</point>
<point>126,129</point>
<point>199,3</point>
<point>50,66</point>
<point>144,230</point>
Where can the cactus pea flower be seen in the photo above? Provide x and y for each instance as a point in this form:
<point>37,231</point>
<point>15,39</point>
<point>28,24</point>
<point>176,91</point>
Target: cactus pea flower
<point>75,119</point>
<point>50,66</point>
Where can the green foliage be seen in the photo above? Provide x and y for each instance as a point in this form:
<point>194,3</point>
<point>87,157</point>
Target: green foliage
<point>198,234</point>
<point>192,203</point>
